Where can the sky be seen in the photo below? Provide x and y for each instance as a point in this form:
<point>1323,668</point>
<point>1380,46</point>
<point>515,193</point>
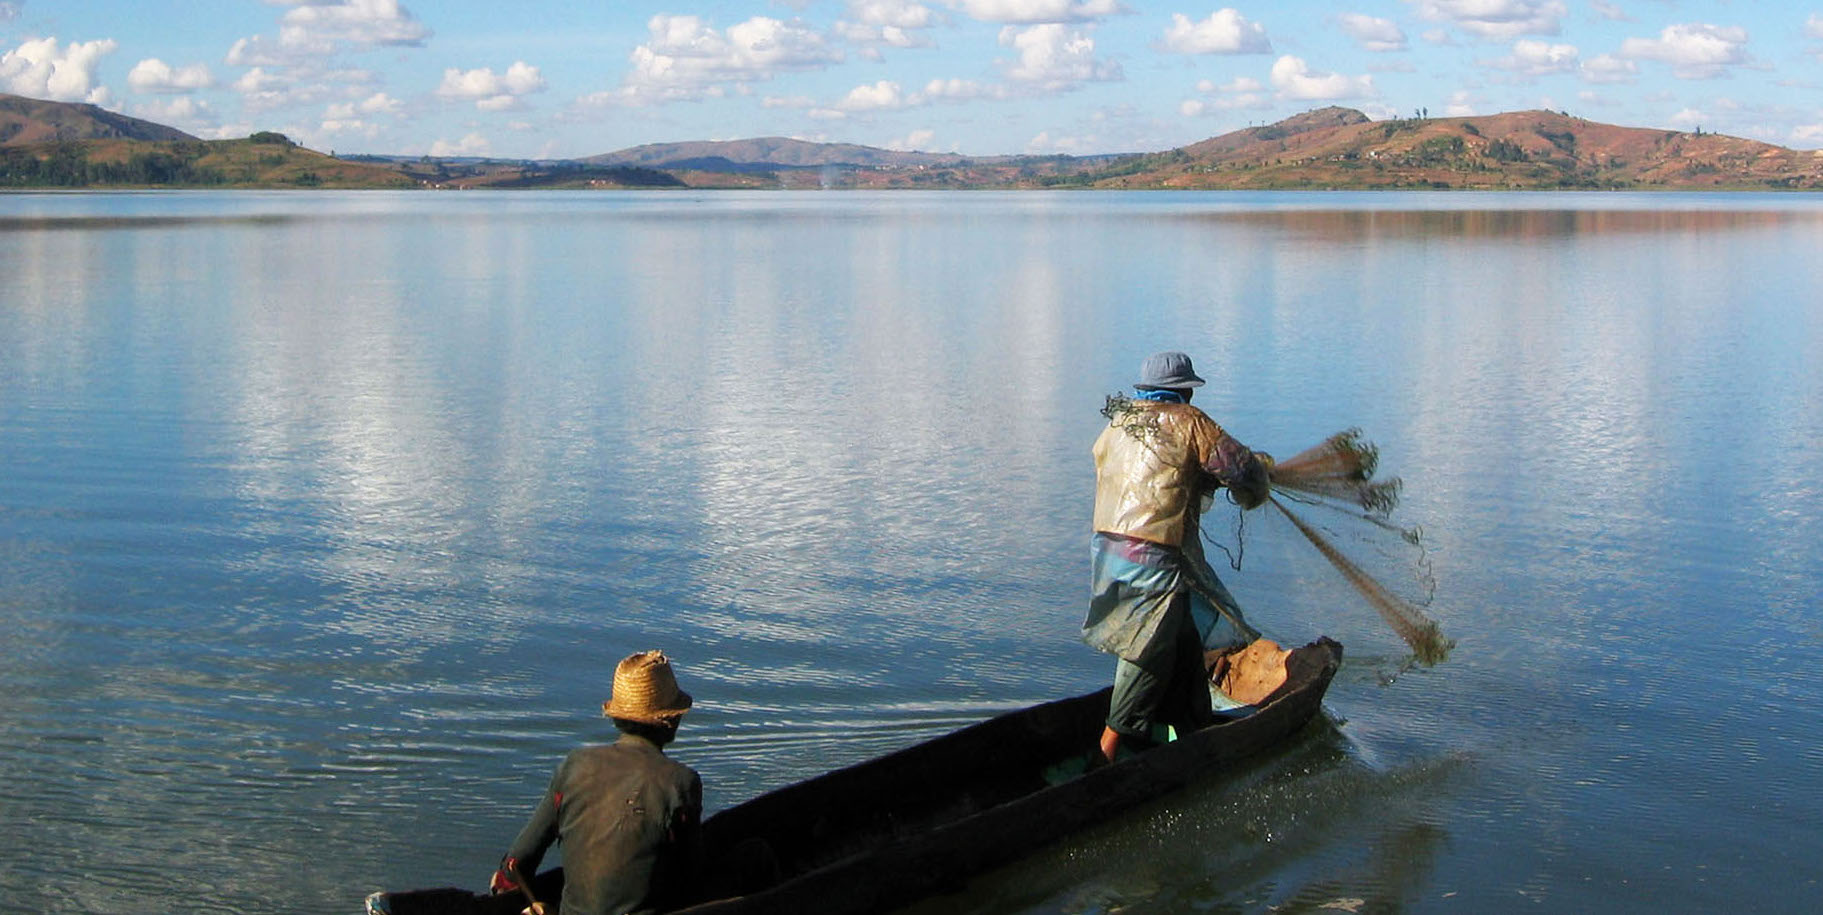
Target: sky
<point>536,79</point>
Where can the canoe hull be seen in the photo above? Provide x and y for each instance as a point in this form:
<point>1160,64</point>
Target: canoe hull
<point>891,830</point>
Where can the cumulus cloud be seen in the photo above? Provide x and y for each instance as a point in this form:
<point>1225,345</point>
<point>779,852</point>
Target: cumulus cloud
<point>472,145</point>
<point>891,23</point>
<point>911,142</point>
<point>1036,12</point>
<point>1496,20</point>
<point>1226,31</point>
<point>314,29</point>
<point>42,69</point>
<point>1055,58</point>
<point>1808,133</point>
<point>884,95</point>
<point>1295,80</point>
<point>960,90</point>
<point>186,111</point>
<point>156,76</point>
<point>1606,68</point>
<point>1241,92</point>
<point>1532,58</point>
<point>492,91</point>
<point>686,59</point>
<point>1460,105</point>
<point>1694,50</point>
<point>1373,33</point>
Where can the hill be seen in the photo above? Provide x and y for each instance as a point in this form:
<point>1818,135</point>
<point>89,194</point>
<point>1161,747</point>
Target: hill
<point>54,144</point>
<point>1341,148</point>
<point>26,121</point>
<point>262,160</point>
<point>769,154</point>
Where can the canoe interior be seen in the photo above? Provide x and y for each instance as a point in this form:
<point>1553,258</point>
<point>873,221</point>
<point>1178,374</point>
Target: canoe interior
<point>903,825</point>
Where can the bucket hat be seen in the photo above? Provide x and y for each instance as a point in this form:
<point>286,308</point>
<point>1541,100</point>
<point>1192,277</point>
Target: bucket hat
<point>645,690</point>
<point>1170,369</point>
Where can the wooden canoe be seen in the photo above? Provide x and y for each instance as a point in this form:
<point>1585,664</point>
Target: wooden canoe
<point>886,832</point>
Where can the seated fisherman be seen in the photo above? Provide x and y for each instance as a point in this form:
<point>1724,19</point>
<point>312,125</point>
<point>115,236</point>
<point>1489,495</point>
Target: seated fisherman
<point>1154,601</point>
<point>627,816</point>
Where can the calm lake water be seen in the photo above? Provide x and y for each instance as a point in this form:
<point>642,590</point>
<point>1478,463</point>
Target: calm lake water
<point>324,518</point>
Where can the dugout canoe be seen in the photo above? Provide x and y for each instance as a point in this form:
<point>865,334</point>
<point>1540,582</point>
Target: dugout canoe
<point>881,834</point>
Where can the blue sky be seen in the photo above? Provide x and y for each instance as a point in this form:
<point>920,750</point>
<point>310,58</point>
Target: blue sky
<point>528,78</point>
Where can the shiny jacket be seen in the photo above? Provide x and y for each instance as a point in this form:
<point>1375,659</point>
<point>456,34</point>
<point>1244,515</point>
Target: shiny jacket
<point>1155,462</point>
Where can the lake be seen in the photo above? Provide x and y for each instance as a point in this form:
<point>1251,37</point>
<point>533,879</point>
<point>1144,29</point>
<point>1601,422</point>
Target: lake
<point>325,517</point>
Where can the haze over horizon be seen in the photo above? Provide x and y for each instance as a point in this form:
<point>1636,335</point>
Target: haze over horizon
<point>983,77</point>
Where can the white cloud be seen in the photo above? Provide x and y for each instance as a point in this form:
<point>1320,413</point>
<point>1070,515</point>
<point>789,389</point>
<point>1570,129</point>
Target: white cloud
<point>916,140</point>
<point>1240,92</point>
<point>154,75</point>
<point>472,145</point>
<point>1814,25</point>
<point>884,95</point>
<point>1035,12</point>
<point>1531,58</point>
<point>1295,80</point>
<point>788,101</point>
<point>1808,133</point>
<point>1373,33</point>
<point>1460,105</point>
<point>960,90</point>
<point>1226,31</point>
<point>1055,58</point>
<point>687,59</point>
<point>1610,12</point>
<point>1495,20</point>
<point>1606,68</point>
<point>894,23</point>
<point>1044,144</point>
<point>315,29</point>
<point>186,111</point>
<point>1694,50</point>
<point>41,69</point>
<point>492,91</point>
<point>9,12</point>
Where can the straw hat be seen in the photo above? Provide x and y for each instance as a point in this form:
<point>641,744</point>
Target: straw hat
<point>646,691</point>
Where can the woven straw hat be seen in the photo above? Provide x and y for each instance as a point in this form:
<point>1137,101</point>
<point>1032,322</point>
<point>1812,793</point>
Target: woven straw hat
<point>646,691</point>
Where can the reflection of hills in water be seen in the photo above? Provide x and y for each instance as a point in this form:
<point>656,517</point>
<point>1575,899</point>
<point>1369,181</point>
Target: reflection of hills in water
<point>1341,225</point>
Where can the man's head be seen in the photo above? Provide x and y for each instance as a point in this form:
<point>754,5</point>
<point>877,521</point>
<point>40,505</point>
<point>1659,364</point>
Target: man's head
<point>1168,371</point>
<point>646,699</point>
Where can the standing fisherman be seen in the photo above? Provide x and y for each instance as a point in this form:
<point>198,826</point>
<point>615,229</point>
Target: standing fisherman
<point>1155,603</point>
<point>627,816</point>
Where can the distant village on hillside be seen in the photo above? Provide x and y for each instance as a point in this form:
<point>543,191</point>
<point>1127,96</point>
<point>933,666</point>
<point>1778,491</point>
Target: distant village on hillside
<point>45,144</point>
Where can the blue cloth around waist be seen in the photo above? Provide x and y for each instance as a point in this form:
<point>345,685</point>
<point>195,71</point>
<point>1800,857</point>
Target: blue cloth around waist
<point>1131,609</point>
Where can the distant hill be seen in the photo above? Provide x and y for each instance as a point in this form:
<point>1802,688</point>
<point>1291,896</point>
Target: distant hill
<point>25,121</point>
<point>55,144</point>
<point>262,160</point>
<point>1341,148</point>
<point>771,154</point>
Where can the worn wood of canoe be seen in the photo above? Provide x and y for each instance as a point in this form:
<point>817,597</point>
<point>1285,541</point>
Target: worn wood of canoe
<point>884,833</point>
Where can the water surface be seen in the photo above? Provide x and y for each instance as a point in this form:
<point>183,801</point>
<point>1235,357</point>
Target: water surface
<point>324,518</point>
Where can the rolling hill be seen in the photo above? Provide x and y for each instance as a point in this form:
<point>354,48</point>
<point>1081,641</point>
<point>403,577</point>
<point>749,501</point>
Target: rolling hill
<point>54,144</point>
<point>1341,148</point>
<point>25,121</point>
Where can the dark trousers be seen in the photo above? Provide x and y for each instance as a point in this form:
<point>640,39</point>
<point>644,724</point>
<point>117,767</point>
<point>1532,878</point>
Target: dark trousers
<point>1167,686</point>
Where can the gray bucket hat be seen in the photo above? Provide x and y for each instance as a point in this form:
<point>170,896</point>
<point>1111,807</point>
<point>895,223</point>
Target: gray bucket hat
<point>1170,369</point>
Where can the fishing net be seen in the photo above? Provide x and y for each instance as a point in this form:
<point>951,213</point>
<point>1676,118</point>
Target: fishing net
<point>1338,474</point>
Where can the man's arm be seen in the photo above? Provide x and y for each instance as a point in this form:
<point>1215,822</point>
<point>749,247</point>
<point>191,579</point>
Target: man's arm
<point>1234,465</point>
<point>533,841</point>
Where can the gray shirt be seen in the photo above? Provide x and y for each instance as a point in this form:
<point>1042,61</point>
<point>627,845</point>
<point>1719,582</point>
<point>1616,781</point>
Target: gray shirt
<point>628,819</point>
